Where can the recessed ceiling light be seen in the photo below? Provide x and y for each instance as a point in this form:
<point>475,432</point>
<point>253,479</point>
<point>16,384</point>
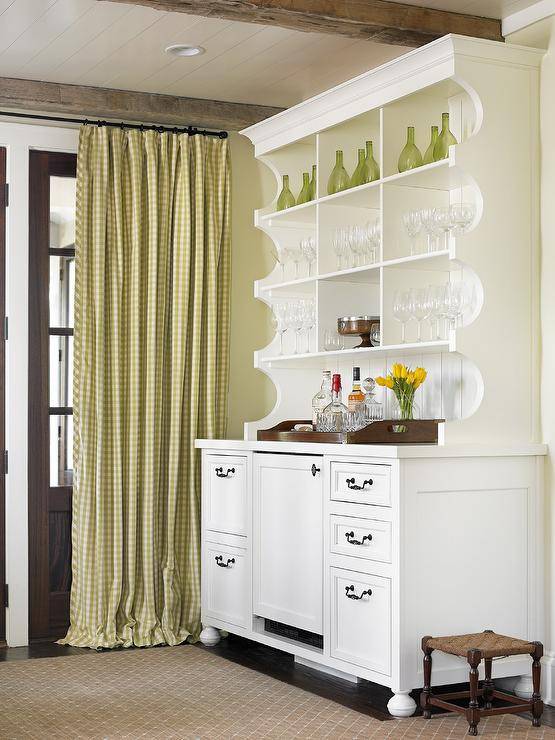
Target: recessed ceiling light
<point>184,50</point>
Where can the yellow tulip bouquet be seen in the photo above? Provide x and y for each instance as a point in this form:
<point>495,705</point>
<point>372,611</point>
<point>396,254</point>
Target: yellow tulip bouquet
<point>404,381</point>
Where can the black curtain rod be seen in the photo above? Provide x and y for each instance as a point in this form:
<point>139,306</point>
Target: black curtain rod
<point>191,130</point>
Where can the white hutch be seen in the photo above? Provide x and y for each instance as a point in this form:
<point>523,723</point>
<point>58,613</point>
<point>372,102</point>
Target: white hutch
<point>346,555</point>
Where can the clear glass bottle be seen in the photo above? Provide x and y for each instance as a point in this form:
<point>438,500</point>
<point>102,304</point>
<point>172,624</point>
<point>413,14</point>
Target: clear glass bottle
<point>361,175</point>
<point>304,195</point>
<point>313,183</point>
<point>339,179</point>
<point>323,397</point>
<point>410,157</point>
<point>444,140</point>
<point>355,399</point>
<point>373,410</point>
<point>286,199</point>
<point>373,166</point>
<point>333,417</point>
<point>429,155</point>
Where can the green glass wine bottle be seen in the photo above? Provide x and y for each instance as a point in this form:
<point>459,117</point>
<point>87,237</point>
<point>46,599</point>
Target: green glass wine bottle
<point>304,195</point>
<point>361,175</point>
<point>286,199</point>
<point>444,140</point>
<point>410,157</point>
<point>429,155</point>
<point>313,183</point>
<point>373,166</point>
<point>339,179</point>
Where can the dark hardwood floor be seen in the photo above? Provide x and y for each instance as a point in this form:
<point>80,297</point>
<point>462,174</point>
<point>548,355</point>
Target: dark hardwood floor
<point>365,697</point>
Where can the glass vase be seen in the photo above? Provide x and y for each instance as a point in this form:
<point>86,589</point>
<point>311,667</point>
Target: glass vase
<point>404,408</point>
<point>410,157</point>
<point>429,155</point>
<point>286,199</point>
<point>339,179</point>
<point>444,140</point>
<point>361,175</point>
<point>313,183</point>
<point>373,166</point>
<point>304,195</point>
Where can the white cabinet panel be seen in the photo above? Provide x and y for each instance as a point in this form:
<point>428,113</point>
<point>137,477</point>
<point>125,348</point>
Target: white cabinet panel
<point>225,584</point>
<point>361,483</point>
<point>225,494</point>
<point>360,622</point>
<point>288,539</point>
<point>363,538</point>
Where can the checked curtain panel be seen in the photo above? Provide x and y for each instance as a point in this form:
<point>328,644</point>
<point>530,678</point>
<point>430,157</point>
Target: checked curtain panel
<point>150,375</point>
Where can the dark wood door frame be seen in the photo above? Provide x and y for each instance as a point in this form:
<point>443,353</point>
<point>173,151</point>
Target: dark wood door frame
<point>3,206</point>
<point>48,608</point>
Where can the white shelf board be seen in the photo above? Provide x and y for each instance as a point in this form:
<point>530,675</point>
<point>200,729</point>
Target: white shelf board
<point>354,197</point>
<point>302,215</point>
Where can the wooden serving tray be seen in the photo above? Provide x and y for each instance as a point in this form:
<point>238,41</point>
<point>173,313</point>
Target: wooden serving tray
<point>387,432</point>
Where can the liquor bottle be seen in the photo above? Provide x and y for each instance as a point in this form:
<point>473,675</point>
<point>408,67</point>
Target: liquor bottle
<point>286,198</point>
<point>373,166</point>
<point>444,140</point>
<point>323,397</point>
<point>334,413</point>
<point>313,183</point>
<point>339,179</point>
<point>361,175</point>
<point>304,195</point>
<point>356,396</point>
<point>410,157</point>
<point>429,155</point>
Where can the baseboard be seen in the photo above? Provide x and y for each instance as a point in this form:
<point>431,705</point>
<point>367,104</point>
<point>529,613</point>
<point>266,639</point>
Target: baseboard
<point>326,669</point>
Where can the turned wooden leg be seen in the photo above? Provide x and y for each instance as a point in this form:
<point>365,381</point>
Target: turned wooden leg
<point>536,700</point>
<point>427,690</point>
<point>474,658</point>
<point>488,684</point>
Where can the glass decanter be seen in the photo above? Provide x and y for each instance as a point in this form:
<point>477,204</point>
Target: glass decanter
<point>361,175</point>
<point>333,417</point>
<point>304,195</point>
<point>429,155</point>
<point>444,140</point>
<point>286,199</point>
<point>339,179</point>
<point>373,410</point>
<point>373,166</point>
<point>322,398</point>
<point>410,157</point>
<point>313,183</point>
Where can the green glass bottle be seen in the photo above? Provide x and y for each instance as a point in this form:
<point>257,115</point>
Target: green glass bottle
<point>304,195</point>
<point>313,183</point>
<point>373,166</point>
<point>361,175</point>
<point>429,155</point>
<point>339,179</point>
<point>444,140</point>
<point>410,157</point>
<point>286,198</point>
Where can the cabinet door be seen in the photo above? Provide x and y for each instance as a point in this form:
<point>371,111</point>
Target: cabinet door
<point>225,494</point>
<point>361,619</point>
<point>288,539</point>
<point>225,584</point>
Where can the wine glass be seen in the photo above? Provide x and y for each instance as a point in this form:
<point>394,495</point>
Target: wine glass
<point>413,226</point>
<point>462,216</point>
<point>453,303</point>
<point>308,248</point>
<point>442,218</point>
<point>427,216</point>
<point>401,310</point>
<point>356,242</point>
<point>339,246</point>
<point>420,307</point>
<point>295,321</point>
<point>308,319</point>
<point>437,308</point>
<point>297,257</point>
<point>280,322</point>
<point>373,239</point>
<point>282,255</point>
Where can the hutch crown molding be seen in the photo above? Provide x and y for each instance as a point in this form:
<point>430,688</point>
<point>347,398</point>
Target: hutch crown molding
<point>346,555</point>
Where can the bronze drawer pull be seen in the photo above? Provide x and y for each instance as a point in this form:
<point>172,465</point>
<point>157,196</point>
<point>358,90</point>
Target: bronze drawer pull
<point>355,487</point>
<point>220,472</point>
<point>351,541</point>
<point>219,559</point>
<point>349,595</point>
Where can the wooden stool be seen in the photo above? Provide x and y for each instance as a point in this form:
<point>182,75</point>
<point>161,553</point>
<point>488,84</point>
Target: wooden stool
<point>483,645</point>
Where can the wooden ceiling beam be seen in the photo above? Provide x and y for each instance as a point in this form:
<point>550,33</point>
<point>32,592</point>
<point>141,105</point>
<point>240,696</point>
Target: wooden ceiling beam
<point>378,20</point>
<point>125,105</point>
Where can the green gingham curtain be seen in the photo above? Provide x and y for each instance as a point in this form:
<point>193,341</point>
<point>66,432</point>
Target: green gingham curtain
<point>150,375</point>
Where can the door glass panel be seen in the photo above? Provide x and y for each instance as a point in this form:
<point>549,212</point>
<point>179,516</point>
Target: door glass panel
<point>62,290</point>
<point>61,371</point>
<point>62,212</point>
<point>61,450</point>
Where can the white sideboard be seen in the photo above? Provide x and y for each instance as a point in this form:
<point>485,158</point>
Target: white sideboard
<point>355,552</point>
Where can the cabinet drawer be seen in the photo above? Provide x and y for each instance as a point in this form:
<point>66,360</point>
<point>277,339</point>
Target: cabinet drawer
<point>225,494</point>
<point>360,624</point>
<point>361,483</point>
<point>225,584</point>
<point>364,538</point>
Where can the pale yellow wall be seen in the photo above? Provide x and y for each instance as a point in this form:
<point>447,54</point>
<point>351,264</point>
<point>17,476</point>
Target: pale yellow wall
<point>251,393</point>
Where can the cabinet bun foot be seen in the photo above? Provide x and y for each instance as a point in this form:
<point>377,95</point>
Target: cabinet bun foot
<point>401,705</point>
<point>210,636</point>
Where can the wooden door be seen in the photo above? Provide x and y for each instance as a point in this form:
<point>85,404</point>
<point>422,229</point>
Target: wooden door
<point>288,540</point>
<point>51,281</point>
<point>3,206</point>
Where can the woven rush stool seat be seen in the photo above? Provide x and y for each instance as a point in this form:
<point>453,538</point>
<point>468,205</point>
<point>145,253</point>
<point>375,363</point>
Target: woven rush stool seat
<point>476,647</point>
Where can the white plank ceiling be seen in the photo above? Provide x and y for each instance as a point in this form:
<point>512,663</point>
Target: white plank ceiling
<point>107,44</point>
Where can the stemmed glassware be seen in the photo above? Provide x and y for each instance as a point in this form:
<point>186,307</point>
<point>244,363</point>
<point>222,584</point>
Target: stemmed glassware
<point>280,321</point>
<point>308,319</point>
<point>298,316</point>
<point>428,217</point>
<point>308,250</point>
<point>339,243</point>
<point>402,310</point>
<point>434,303</point>
<point>420,308</point>
<point>412,222</point>
<point>442,218</point>
<point>453,219</point>
<point>356,246</point>
<point>437,309</point>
